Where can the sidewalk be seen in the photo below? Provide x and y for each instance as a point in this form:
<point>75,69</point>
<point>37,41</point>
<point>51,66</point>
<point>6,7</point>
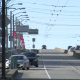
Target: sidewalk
<point>10,73</point>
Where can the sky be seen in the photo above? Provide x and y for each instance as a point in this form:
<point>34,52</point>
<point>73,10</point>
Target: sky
<point>58,22</point>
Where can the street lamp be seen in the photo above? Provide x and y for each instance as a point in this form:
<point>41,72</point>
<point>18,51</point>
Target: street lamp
<point>3,38</point>
<point>20,12</point>
<point>11,27</point>
<point>14,4</point>
<point>22,15</point>
<point>13,23</point>
<point>7,25</point>
<point>16,24</point>
<point>17,9</point>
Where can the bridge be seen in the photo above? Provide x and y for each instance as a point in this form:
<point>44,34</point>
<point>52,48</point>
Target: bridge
<point>54,64</point>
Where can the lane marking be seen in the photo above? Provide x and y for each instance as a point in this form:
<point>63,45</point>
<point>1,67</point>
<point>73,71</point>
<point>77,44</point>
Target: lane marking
<point>47,72</point>
<point>45,68</point>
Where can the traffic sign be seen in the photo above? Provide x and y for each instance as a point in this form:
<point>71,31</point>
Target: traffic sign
<point>7,20</point>
<point>33,31</point>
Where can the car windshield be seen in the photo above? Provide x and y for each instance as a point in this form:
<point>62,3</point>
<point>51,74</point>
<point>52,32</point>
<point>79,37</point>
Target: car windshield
<point>17,57</point>
<point>30,54</point>
<point>44,45</point>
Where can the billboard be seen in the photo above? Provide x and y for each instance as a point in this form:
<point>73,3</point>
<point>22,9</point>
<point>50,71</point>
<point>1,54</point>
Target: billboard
<point>22,28</point>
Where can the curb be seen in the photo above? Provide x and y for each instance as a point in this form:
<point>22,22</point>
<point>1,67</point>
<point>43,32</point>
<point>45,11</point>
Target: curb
<point>11,74</point>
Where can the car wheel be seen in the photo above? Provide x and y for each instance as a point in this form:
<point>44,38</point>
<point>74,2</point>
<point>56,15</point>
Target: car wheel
<point>36,65</point>
<point>27,68</point>
<point>23,68</point>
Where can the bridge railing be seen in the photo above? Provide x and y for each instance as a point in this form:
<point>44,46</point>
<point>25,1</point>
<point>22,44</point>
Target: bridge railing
<point>76,53</point>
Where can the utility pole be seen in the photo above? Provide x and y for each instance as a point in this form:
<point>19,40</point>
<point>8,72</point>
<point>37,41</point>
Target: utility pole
<point>3,39</point>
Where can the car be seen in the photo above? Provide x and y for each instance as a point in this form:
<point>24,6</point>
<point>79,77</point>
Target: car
<point>33,57</point>
<point>22,61</point>
<point>78,47</point>
<point>69,47</point>
<point>72,49</point>
<point>44,47</point>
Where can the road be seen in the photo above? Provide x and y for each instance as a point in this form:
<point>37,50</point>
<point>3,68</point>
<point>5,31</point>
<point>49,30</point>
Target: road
<point>52,65</point>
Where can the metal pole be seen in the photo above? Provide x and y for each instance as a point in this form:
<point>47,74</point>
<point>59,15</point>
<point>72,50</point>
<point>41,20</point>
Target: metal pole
<point>19,37</point>
<point>6,32</point>
<point>3,39</point>
<point>16,33</point>
<point>13,30</point>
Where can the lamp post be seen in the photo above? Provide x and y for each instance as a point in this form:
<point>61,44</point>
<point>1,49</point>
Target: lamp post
<point>13,23</point>
<point>11,26</point>
<point>22,15</point>
<point>7,25</point>
<point>16,25</point>
<point>3,40</point>
<point>19,32</point>
<point>20,12</point>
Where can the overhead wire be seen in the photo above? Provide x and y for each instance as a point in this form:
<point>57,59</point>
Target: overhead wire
<point>49,5</point>
<point>58,15</point>
<point>49,24</point>
<point>51,17</point>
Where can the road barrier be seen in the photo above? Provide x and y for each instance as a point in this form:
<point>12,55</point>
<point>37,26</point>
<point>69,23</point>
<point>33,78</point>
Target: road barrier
<point>76,53</point>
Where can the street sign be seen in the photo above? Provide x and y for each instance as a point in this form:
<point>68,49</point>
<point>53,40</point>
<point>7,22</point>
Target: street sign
<point>7,20</point>
<point>23,28</point>
<point>33,31</point>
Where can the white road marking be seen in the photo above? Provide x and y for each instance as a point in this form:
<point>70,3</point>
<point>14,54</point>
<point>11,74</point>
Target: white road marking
<point>46,69</point>
<point>47,72</point>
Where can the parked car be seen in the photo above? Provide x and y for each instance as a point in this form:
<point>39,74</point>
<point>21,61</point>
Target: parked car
<point>33,58</point>
<point>44,47</point>
<point>22,61</point>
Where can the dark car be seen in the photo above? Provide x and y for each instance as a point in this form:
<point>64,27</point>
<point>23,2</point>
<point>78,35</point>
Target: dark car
<point>33,58</point>
<point>78,47</point>
<point>43,46</point>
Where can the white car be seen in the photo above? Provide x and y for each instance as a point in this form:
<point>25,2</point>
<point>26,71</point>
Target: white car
<point>72,49</point>
<point>22,61</point>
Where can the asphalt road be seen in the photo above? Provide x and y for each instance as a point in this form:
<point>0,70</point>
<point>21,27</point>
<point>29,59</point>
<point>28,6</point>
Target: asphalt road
<point>52,65</point>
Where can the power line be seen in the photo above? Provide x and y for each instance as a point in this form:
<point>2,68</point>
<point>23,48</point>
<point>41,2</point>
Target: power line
<point>51,5</point>
<point>58,14</point>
